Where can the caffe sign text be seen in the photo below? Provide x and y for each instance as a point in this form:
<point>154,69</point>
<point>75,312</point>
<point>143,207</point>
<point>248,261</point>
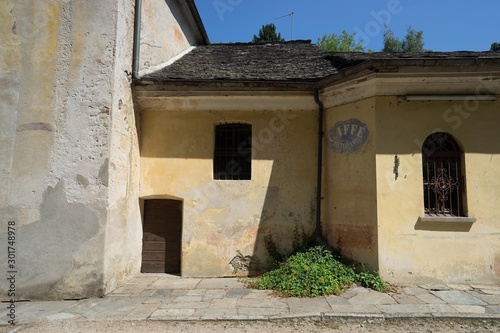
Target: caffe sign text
<point>347,136</point>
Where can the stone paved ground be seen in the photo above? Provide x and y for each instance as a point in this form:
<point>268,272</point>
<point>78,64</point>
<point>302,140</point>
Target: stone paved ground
<point>160,298</point>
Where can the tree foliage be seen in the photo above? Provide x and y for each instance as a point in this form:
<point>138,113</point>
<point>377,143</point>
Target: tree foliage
<point>344,42</point>
<point>413,41</point>
<point>268,34</point>
<point>495,47</point>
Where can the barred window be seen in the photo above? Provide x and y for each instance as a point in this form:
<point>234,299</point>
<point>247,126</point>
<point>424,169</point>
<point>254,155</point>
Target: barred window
<point>233,152</point>
<point>442,175</point>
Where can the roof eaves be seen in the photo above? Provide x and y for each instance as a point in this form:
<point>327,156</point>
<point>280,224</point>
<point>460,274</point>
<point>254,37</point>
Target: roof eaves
<point>303,85</point>
<point>394,64</point>
<point>198,21</point>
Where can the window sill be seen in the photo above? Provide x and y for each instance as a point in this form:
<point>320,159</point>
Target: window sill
<point>446,219</point>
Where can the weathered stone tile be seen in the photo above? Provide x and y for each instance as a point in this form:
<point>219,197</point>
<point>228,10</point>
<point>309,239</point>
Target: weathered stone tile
<point>254,294</point>
<point>261,312</point>
<point>148,293</point>
<point>169,314</point>
<point>414,291</point>
<point>371,298</point>
<point>187,299</point>
<point>184,283</point>
<point>415,308</point>
<point>434,287</point>
<point>308,305</point>
<point>142,312</point>
<point>179,292</point>
<point>214,294</point>
<point>494,309</point>
<point>430,299</point>
<point>190,305</point>
<point>238,293</point>
<point>196,292</point>
<point>490,299</point>
<point>475,309</point>
<point>366,309</point>
<point>153,300</point>
<point>407,299</point>
<point>223,303</point>
<point>220,283</point>
<point>162,292</point>
<point>216,313</point>
<point>458,297</point>
<point>261,303</point>
<point>337,300</point>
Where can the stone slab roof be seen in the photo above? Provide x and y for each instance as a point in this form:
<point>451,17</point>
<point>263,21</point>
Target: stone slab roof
<point>295,61</point>
<point>348,59</point>
<point>287,61</point>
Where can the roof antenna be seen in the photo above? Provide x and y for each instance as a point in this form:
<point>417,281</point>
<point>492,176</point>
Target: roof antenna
<point>291,14</point>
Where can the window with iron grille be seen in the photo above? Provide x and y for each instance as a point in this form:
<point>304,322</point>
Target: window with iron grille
<point>442,173</point>
<point>233,152</point>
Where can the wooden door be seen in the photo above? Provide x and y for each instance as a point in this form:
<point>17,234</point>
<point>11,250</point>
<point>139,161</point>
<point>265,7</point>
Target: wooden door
<point>162,233</point>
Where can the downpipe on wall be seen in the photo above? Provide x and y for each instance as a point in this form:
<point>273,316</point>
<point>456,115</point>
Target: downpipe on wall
<point>318,233</point>
<point>137,39</point>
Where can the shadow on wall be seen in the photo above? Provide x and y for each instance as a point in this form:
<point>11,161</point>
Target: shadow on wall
<point>226,222</point>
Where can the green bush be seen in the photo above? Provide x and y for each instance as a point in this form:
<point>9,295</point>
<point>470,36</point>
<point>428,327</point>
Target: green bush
<point>312,273</point>
<point>373,281</point>
<point>315,272</point>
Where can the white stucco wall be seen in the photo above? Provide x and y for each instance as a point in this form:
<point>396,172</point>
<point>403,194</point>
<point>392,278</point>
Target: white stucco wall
<point>66,103</point>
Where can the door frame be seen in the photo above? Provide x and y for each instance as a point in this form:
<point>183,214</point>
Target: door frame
<point>142,201</point>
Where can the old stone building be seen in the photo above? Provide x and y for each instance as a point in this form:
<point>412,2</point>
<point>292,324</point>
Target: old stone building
<point>407,156</point>
<point>166,153</point>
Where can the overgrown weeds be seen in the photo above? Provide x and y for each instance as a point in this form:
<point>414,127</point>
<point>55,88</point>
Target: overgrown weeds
<point>313,271</point>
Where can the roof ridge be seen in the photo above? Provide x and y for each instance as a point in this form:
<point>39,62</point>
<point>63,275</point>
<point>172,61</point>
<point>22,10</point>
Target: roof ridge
<point>295,41</point>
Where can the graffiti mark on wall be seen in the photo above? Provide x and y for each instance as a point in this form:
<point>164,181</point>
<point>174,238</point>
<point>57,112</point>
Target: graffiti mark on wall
<point>347,136</point>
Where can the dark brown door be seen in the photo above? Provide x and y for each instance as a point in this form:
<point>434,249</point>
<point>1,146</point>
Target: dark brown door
<point>161,245</point>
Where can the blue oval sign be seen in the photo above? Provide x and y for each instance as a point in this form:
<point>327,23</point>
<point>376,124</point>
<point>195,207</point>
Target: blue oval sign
<point>347,136</point>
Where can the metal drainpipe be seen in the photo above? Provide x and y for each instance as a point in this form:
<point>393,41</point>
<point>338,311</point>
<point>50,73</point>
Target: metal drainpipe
<point>137,39</point>
<point>318,230</point>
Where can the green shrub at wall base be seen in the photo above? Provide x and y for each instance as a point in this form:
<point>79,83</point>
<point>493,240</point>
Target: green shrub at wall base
<point>315,272</point>
<point>312,273</point>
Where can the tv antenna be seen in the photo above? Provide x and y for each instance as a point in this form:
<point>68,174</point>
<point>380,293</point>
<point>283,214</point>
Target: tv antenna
<point>291,14</point>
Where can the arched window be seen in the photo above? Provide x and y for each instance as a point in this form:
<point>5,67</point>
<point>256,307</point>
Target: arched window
<point>233,151</point>
<point>443,180</point>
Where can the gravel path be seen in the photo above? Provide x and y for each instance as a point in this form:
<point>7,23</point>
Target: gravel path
<point>392,326</point>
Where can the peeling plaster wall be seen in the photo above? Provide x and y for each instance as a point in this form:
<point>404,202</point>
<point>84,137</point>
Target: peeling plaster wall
<point>223,217</point>
<point>416,252</point>
<point>65,103</point>
<point>123,239</point>
<point>349,208</point>
<point>166,31</point>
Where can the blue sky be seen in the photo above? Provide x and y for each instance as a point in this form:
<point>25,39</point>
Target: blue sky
<point>448,25</point>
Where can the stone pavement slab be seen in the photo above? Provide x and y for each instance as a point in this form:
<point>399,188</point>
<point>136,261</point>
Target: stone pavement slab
<point>175,283</point>
<point>220,283</point>
<point>469,309</point>
<point>458,297</point>
<point>371,298</point>
<point>176,299</point>
<point>308,305</point>
<point>430,299</point>
<point>363,308</point>
<point>415,309</point>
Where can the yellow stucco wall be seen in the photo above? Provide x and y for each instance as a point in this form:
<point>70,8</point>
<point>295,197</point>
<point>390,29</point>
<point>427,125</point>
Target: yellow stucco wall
<point>412,251</point>
<point>349,208</point>
<point>223,217</point>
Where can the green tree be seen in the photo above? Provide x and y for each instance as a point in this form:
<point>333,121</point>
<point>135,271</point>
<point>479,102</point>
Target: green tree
<point>495,47</point>
<point>341,43</point>
<point>268,34</point>
<point>391,42</point>
<point>413,41</point>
